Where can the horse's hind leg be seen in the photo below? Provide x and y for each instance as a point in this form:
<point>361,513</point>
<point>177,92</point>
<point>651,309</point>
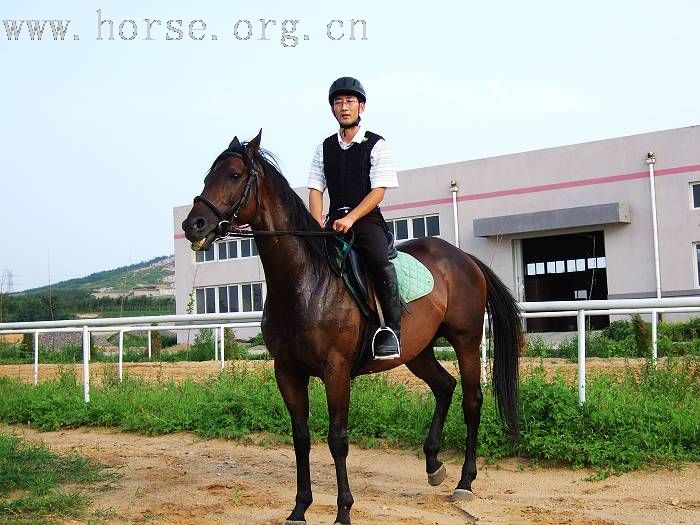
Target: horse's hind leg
<point>467,349</point>
<point>426,367</point>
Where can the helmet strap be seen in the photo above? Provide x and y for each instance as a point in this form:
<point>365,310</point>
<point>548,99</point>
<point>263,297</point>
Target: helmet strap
<point>353,125</point>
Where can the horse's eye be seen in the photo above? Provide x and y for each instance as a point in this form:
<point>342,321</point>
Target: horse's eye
<point>235,175</point>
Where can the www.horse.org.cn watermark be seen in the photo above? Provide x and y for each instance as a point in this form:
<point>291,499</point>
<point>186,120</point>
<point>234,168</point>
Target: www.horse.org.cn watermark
<point>288,31</point>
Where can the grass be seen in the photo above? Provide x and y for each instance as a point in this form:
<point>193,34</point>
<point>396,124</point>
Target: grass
<point>32,480</point>
<point>649,418</point>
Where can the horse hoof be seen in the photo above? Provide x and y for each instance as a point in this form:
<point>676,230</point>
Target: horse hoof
<point>462,495</point>
<point>438,476</point>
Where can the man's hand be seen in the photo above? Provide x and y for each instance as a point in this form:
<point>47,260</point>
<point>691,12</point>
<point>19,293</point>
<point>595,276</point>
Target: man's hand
<point>343,225</point>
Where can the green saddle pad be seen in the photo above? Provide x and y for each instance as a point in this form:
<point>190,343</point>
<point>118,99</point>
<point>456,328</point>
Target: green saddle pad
<point>415,280</point>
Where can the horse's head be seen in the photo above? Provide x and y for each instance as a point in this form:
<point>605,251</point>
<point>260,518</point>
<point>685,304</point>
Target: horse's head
<point>227,198</point>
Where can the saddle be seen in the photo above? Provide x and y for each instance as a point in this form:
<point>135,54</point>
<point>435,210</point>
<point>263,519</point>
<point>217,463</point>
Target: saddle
<point>346,262</point>
<point>415,281</point>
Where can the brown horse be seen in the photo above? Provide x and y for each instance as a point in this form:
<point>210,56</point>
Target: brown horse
<point>313,327</point>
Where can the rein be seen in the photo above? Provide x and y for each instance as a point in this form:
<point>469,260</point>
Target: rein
<point>237,232</point>
<point>225,229</point>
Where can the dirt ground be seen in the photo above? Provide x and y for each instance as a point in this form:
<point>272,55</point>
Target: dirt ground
<point>181,479</point>
<point>180,370</point>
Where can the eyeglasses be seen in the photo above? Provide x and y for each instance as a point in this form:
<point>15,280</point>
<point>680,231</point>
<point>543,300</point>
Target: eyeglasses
<point>340,102</point>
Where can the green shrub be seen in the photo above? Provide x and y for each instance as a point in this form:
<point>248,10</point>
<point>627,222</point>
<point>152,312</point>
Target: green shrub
<point>257,340</point>
<point>442,342</point>
<point>232,349</point>
<point>568,348</point>
<point>642,336</point>
<point>537,347</point>
<point>446,355</point>
<point>618,330</point>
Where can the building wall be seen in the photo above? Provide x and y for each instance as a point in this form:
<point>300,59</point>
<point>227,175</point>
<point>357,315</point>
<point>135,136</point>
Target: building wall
<point>593,173</point>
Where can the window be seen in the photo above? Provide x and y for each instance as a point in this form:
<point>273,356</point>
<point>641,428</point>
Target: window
<point>205,256</point>
<point>247,297</point>
<point>695,194</point>
<point>570,265</point>
<point>221,251</point>
<point>414,227</point>
<point>206,300</point>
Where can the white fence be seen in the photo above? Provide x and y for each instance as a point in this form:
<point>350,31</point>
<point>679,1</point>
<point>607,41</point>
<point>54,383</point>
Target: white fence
<point>580,309</point>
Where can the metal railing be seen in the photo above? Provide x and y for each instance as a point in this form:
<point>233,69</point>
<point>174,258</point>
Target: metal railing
<point>218,322</point>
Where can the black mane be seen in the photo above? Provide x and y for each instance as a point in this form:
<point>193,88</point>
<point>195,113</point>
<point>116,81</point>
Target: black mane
<point>298,214</point>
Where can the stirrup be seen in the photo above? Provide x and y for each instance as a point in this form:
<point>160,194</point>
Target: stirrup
<point>398,345</point>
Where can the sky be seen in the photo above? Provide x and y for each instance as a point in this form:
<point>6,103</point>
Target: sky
<point>100,138</point>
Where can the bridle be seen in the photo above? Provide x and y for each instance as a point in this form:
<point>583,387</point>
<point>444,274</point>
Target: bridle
<point>225,226</point>
<point>226,229</point>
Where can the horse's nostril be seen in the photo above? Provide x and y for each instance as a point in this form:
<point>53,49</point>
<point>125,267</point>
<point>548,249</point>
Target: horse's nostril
<point>199,223</point>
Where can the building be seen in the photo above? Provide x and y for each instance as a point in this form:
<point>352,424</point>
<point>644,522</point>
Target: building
<point>564,223</point>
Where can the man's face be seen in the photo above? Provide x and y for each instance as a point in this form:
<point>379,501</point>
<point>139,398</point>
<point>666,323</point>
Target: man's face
<point>347,109</point>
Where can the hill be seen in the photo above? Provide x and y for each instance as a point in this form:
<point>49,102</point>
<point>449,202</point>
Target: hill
<point>119,295</point>
<point>157,271</point>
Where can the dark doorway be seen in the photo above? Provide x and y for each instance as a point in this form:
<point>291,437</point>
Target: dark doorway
<point>565,268</point>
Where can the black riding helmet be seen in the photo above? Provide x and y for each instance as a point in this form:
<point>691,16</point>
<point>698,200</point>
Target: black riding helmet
<point>347,86</point>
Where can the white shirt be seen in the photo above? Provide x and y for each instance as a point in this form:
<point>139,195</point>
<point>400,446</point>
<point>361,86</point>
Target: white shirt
<point>382,173</point>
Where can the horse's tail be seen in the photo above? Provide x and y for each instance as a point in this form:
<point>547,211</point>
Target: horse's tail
<point>507,336</point>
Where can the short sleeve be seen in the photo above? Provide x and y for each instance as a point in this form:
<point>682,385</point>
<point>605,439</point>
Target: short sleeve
<point>317,179</point>
<point>382,173</point>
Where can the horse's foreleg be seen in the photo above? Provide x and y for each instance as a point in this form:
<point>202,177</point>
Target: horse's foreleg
<point>338,396</point>
<point>295,392</point>
<point>427,368</point>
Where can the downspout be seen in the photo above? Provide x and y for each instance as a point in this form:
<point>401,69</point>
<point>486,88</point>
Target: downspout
<point>651,160</point>
<point>454,189</point>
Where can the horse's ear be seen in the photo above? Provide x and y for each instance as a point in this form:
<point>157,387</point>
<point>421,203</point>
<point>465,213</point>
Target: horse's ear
<point>235,144</point>
<point>254,145</point>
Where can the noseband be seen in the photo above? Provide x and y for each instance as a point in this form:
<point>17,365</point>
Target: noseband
<point>224,226</point>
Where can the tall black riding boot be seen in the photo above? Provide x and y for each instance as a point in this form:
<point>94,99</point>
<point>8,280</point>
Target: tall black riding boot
<point>386,342</point>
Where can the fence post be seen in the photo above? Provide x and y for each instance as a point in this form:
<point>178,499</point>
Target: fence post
<point>484,326</point>
<point>121,354</point>
<point>86,364</point>
<point>581,325</point>
<point>216,343</point>
<point>148,333</point>
<point>222,346</point>
<point>654,336</point>
<point>36,357</point>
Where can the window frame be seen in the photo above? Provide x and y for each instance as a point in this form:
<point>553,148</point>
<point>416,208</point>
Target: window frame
<point>391,223</point>
<point>239,296</point>
<point>253,248</point>
<point>691,187</point>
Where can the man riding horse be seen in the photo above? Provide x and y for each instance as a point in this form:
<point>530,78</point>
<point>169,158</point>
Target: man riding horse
<point>356,166</point>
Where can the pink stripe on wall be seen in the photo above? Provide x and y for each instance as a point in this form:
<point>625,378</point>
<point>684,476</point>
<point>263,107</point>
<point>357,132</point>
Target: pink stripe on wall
<point>535,189</point>
<point>544,187</point>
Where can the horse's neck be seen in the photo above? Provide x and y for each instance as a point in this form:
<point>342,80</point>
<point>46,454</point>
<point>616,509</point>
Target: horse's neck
<point>287,259</point>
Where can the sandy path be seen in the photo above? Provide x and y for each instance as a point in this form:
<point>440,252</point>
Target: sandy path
<point>181,479</point>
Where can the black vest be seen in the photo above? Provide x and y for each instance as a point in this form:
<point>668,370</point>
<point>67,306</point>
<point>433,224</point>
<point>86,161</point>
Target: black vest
<point>347,171</point>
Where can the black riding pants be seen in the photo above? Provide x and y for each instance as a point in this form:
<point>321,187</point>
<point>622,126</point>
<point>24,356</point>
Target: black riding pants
<point>371,241</point>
